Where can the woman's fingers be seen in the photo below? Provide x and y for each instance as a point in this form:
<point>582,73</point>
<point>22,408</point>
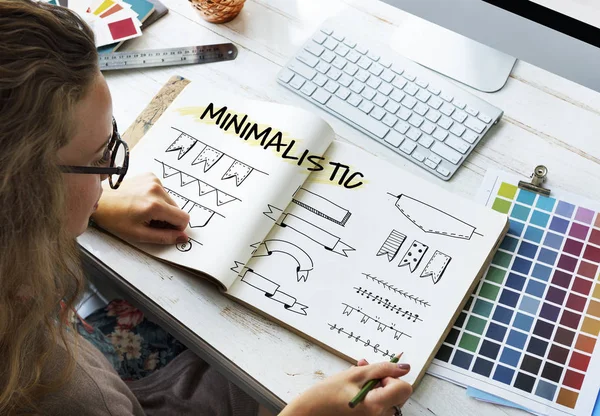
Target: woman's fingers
<point>380,371</point>
<point>392,392</point>
<point>164,212</point>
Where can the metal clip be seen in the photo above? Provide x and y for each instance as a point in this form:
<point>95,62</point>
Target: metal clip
<point>538,177</point>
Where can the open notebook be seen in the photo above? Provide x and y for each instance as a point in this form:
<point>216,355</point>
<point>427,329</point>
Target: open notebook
<point>337,245</point>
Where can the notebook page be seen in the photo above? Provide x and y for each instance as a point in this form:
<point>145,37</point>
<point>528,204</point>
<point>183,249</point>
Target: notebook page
<point>374,270</point>
<point>222,159</point>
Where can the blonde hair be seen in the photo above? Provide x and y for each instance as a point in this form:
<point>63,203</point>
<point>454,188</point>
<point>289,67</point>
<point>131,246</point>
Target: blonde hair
<point>48,61</point>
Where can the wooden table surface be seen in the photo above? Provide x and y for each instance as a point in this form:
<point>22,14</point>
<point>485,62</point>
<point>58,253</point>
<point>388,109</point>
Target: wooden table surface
<point>548,120</point>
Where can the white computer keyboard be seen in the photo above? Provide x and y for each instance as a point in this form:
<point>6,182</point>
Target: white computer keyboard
<point>395,101</point>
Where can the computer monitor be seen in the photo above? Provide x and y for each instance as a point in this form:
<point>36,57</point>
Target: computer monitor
<point>561,36</point>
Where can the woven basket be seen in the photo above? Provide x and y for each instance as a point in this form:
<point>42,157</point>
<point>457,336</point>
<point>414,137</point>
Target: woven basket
<point>218,11</point>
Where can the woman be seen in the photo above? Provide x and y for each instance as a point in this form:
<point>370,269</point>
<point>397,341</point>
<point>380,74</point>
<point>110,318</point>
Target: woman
<point>56,129</point>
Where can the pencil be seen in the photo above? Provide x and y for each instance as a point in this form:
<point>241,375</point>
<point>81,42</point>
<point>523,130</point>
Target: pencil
<point>369,385</point>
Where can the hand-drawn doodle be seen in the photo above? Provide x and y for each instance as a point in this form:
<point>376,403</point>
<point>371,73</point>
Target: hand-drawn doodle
<point>385,303</point>
<point>271,291</point>
<point>210,156</point>
<point>273,212</point>
<point>187,246</point>
<point>436,266</point>
<point>413,255</point>
<point>199,214</point>
<point>432,220</point>
<point>237,267</point>
<point>392,245</point>
<point>321,206</point>
<point>203,187</point>
<point>305,263</point>
<point>357,338</point>
<point>394,289</point>
<point>381,327</point>
<point>183,143</point>
<point>254,246</point>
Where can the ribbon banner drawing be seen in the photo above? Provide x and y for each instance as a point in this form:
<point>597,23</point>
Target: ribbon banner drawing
<point>413,256</point>
<point>203,187</point>
<point>183,144</point>
<point>200,216</point>
<point>436,266</point>
<point>392,245</point>
<point>321,206</point>
<point>305,263</point>
<point>271,291</point>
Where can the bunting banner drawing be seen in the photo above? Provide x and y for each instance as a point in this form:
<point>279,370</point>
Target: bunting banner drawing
<point>391,245</point>
<point>413,256</point>
<point>210,156</point>
<point>200,216</point>
<point>204,188</point>
<point>436,266</point>
<point>321,206</point>
<point>271,291</point>
<point>303,260</point>
<point>432,220</point>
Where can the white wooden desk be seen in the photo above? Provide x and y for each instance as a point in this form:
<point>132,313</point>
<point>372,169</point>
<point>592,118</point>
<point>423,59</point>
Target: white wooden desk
<point>548,120</point>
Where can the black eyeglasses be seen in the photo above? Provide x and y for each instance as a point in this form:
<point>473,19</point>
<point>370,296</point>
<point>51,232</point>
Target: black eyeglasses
<point>117,153</point>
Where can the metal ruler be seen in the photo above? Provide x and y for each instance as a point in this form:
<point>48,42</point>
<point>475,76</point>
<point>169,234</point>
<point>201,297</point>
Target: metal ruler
<point>202,54</point>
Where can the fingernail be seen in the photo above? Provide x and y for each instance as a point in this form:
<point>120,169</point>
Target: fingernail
<point>181,240</point>
<point>404,366</point>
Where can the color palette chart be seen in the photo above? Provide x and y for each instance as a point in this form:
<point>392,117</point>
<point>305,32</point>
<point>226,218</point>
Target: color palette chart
<point>529,332</point>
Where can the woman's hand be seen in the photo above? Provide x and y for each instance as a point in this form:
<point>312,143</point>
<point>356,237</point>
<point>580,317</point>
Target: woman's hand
<point>331,396</point>
<point>128,211</point>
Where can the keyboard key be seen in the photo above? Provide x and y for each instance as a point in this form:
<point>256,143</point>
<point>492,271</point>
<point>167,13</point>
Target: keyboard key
<point>328,56</point>
<point>368,93</point>
<point>338,36</point>
<point>434,158</point>
<point>397,95</point>
<point>413,134</point>
<point>357,86</point>
<point>326,30</point>
<point>377,113</point>
<point>447,109</point>
<point>433,116</point>
<point>334,73</point>
<point>385,62</point>
<point>308,59</point>
<point>418,156</point>
<point>409,76</point>
<point>422,83</point>
<point>409,102</point>
<point>485,118</point>
<point>314,48</point>
<point>423,95</point>
<point>343,93</point>
<point>446,152</point>
<point>421,109</point>
<point>350,43</point>
<point>411,89</point>
<point>354,99</point>
<point>380,99</point>
<point>364,62</point>
<point>435,102</point>
<point>389,120</point>
<point>321,96</point>
<point>387,75</point>
<point>373,56</point>
<point>398,70</point>
<point>457,144</point>
<point>319,37</point>
<point>366,106</point>
<point>331,86</point>
<point>443,171</point>
<point>351,69</point>
<point>459,116</point>
<point>358,117</point>
<point>440,134</point>
<point>385,88</point>
<point>339,63</point>
<point>308,88</point>
<point>342,50</point>
<point>362,75</point>
<point>374,82</point>
<point>353,56</point>
<point>330,43</point>
<point>402,127</point>
<point>285,75</point>
<point>428,127</point>
<point>470,136</point>
<point>430,163</point>
<point>425,141</point>
<point>320,80</point>
<point>434,90</point>
<point>376,69</point>
<point>392,106</point>
<point>394,138</point>
<point>416,121</point>
<point>407,146</point>
<point>472,111</point>
<point>322,67</point>
<point>446,96</point>
<point>361,49</point>
<point>474,124</point>
<point>345,80</point>
<point>297,82</point>
<point>403,113</point>
<point>302,69</point>
<point>457,129</point>
<point>399,83</point>
<point>445,122</point>
<point>459,104</point>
